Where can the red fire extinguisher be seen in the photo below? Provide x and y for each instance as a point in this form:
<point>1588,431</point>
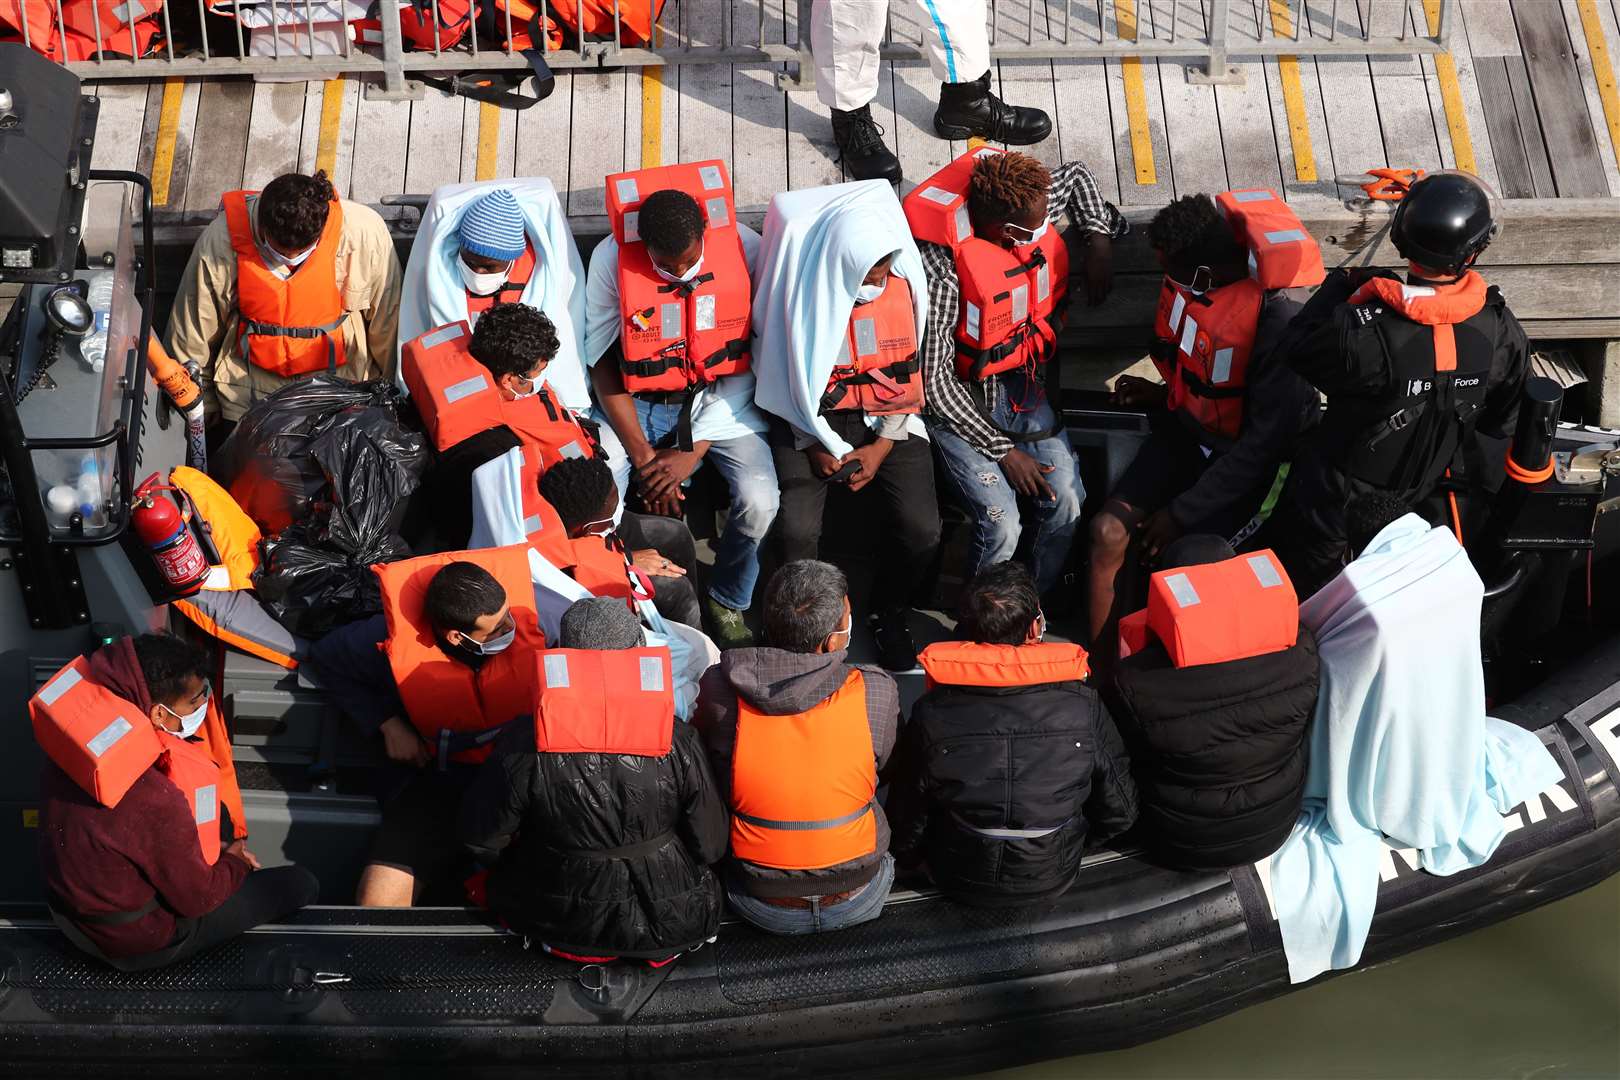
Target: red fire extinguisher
<point>164,530</point>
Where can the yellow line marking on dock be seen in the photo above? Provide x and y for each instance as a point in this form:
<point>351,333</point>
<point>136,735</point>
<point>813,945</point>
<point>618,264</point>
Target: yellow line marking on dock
<point>652,117</point>
<point>1445,68</point>
<point>331,126</point>
<point>1136,113</point>
<point>168,133</point>
<point>1299,128</point>
<point>489,140</point>
<point>1602,70</point>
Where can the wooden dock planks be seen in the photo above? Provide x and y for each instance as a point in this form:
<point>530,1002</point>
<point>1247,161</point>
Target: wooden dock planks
<point>1560,100</point>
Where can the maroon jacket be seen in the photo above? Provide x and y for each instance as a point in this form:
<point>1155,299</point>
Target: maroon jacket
<point>103,861</point>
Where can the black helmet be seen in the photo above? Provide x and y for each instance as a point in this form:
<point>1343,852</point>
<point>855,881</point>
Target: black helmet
<point>1443,222</point>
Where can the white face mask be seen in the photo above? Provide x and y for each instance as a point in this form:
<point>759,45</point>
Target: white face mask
<point>291,260</point>
<point>868,293</point>
<point>534,388</point>
<point>482,284</point>
<point>843,631</point>
<point>1022,237</point>
<point>192,721</point>
<point>691,272</point>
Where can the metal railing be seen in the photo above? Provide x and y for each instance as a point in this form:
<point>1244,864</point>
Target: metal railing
<point>322,38</point>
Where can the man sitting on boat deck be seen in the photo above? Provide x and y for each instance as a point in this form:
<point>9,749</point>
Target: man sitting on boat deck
<point>286,282</point>
<point>1402,753</point>
<point>141,830</point>
<point>601,819</point>
<point>1009,763</point>
<point>448,664</point>
<point>797,735</point>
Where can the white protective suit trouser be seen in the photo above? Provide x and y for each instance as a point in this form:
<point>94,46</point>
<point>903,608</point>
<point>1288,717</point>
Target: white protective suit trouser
<point>845,36</point>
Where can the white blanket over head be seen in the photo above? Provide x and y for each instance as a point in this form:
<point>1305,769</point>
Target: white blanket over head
<point>434,293</point>
<point>498,521</point>
<point>1400,746</point>
<point>817,246</point>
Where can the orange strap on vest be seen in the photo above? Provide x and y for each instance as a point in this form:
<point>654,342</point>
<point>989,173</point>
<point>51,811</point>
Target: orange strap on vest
<point>288,326</point>
<point>676,336</point>
<point>878,370</point>
<point>458,710</point>
<point>803,784</point>
<point>1282,254</point>
<point>596,702</point>
<point>1223,611</point>
<point>969,663</point>
<point>101,740</point>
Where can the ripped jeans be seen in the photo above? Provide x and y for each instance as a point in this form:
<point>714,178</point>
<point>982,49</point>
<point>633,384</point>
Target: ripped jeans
<point>992,503</point>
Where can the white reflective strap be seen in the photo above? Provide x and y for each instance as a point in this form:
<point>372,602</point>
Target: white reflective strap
<point>1177,310</point>
<point>108,736</point>
<point>669,320</point>
<point>572,450</point>
<point>556,671</point>
<point>710,177</point>
<point>1250,196</point>
<point>1189,334</point>
<point>1181,587</point>
<point>652,675</point>
<point>627,190</point>
<point>719,214</point>
<point>1020,303</point>
<point>207,804</point>
<point>121,12</point>
<point>1012,834</point>
<point>532,524</point>
<point>973,320</point>
<point>1264,571</point>
<point>938,195</point>
<point>866,341</point>
<point>703,312</point>
<point>443,334</point>
<point>1286,236</point>
<point>632,226</point>
<point>1043,283</point>
<point>1222,369</point>
<point>51,691</point>
<point>964,224</point>
<point>465,388</point>
<point>218,579</point>
<point>1409,292</point>
<point>805,826</point>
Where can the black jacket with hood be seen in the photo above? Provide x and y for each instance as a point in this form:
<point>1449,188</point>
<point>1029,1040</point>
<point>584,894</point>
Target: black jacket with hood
<point>600,853</point>
<point>779,683</point>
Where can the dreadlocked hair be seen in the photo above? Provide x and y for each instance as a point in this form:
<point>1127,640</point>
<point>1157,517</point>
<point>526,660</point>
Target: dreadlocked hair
<point>578,489</point>
<point>1192,232</point>
<point>293,207</point>
<point>1002,185</point>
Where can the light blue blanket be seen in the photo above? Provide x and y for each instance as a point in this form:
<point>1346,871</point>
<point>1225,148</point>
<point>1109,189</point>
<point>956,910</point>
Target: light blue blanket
<point>434,293</point>
<point>1400,746</point>
<point>817,246</point>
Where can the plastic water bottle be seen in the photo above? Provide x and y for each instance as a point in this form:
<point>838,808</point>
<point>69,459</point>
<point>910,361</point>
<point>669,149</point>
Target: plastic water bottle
<point>89,489</point>
<point>93,346</point>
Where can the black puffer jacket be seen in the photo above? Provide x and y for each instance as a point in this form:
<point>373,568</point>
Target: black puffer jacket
<point>1219,751</point>
<point>600,853</point>
<point>1029,758</point>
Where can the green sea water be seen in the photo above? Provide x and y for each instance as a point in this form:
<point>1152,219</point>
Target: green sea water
<point>1537,996</point>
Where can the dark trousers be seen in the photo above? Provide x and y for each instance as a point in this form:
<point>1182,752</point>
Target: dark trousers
<point>675,597</point>
<point>265,896</point>
<point>899,512</point>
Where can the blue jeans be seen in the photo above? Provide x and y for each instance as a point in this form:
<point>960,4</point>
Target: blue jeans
<point>992,503</point>
<point>750,474</point>
<point>864,906</point>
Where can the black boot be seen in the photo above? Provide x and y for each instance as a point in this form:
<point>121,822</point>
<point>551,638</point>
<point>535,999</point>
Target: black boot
<point>861,147</point>
<point>968,109</point>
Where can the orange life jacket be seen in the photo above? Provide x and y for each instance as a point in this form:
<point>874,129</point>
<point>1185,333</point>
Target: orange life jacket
<point>803,784</point>
<point>680,335</point>
<point>81,22</point>
<point>1206,339</point>
<point>878,370</point>
<point>517,279</point>
<point>602,566</point>
<point>1013,301</point>
<point>293,326</point>
<point>1216,612</point>
<point>105,743</point>
<point>597,702</point>
<point>458,710</point>
<point>969,663</point>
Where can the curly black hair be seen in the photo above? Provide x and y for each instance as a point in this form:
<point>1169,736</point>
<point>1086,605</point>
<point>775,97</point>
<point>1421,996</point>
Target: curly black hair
<point>293,208</point>
<point>670,221</point>
<point>578,489</point>
<point>999,604</point>
<point>510,339</point>
<point>1004,185</point>
<point>168,662</point>
<point>1192,232</point>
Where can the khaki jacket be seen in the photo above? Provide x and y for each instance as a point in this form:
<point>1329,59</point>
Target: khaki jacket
<point>202,325</point>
